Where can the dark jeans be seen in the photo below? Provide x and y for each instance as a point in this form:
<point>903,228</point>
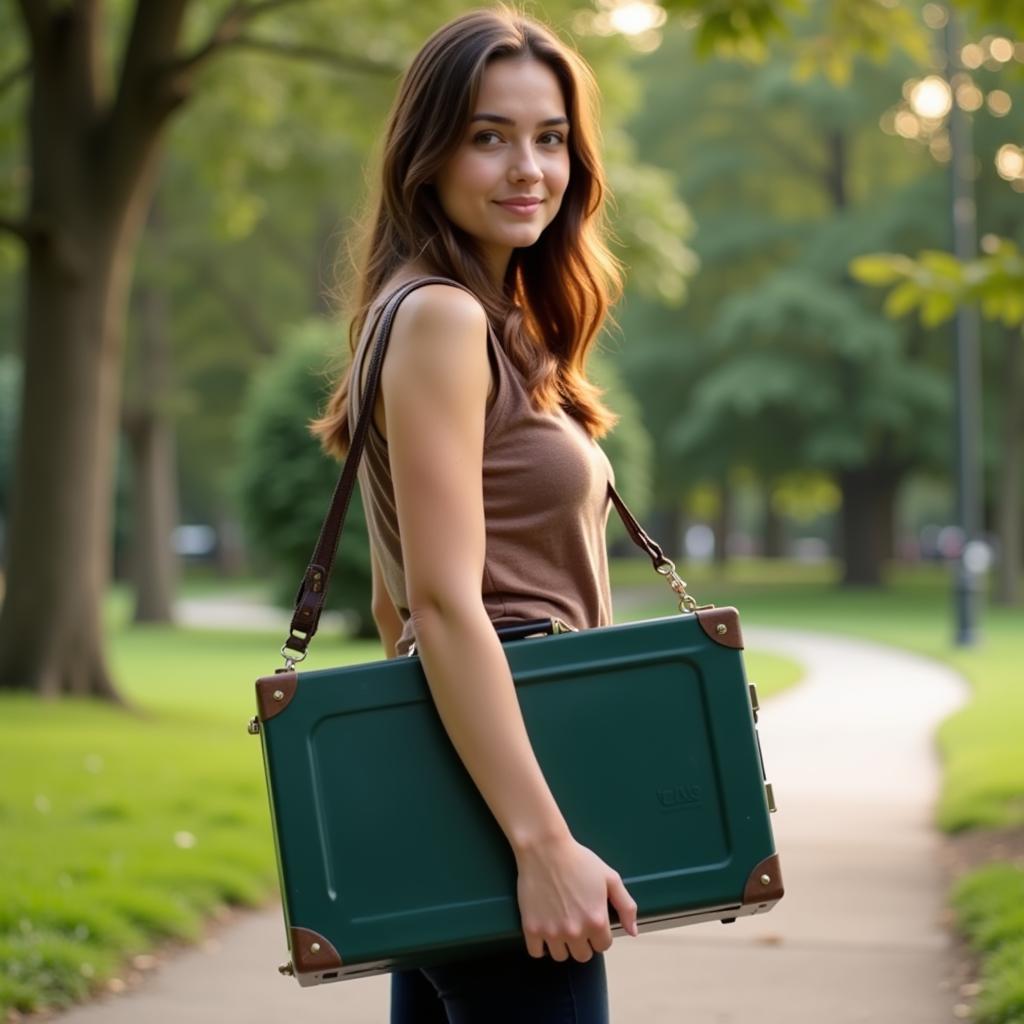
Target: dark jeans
<point>507,988</point>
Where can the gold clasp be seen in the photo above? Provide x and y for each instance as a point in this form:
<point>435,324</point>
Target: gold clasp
<point>666,567</point>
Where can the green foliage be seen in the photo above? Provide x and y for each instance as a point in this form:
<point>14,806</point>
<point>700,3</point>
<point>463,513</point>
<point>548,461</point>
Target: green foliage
<point>1007,13</point>
<point>285,482</point>
<point>652,226</point>
<point>831,37</point>
<point>936,283</point>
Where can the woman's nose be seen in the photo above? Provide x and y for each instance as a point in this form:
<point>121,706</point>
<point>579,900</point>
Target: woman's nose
<point>525,165</point>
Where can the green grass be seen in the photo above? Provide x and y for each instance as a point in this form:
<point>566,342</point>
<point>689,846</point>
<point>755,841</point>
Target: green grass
<point>990,910</point>
<point>118,829</point>
<point>772,673</point>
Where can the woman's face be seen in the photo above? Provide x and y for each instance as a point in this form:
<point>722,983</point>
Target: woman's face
<point>515,146</point>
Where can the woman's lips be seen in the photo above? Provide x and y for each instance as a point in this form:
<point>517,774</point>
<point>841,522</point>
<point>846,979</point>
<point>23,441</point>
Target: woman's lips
<point>521,208</point>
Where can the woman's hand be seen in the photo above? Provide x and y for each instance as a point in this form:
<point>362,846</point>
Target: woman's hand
<point>564,890</point>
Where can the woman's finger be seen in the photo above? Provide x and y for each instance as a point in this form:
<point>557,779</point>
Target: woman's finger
<point>624,904</point>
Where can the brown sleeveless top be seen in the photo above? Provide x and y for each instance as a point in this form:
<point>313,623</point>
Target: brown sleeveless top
<point>545,501</point>
<point>546,505</point>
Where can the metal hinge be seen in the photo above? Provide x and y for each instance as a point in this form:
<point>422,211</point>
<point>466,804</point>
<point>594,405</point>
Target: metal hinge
<point>287,969</point>
<point>254,726</point>
<point>755,705</point>
<point>769,792</point>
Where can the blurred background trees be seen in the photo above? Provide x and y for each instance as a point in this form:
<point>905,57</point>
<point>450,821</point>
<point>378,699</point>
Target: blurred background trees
<point>169,291</point>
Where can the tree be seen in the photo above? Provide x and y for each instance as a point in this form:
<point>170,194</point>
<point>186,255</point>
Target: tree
<point>94,151</point>
<point>780,361</point>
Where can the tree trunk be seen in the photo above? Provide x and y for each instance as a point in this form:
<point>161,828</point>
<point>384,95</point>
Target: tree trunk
<point>723,522</point>
<point>92,172</point>
<point>867,522</point>
<point>773,534</point>
<point>232,558</point>
<point>1009,514</point>
<point>59,539</point>
<point>154,566</point>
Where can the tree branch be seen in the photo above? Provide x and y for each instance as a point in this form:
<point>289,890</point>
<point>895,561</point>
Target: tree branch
<point>317,54</point>
<point>227,30</point>
<point>151,41</point>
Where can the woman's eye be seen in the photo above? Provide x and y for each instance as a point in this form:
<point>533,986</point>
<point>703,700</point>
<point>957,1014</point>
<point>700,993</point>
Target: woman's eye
<point>555,137</point>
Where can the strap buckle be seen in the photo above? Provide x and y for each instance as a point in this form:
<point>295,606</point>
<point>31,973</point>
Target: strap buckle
<point>293,650</point>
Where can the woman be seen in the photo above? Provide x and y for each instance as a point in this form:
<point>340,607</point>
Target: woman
<point>485,492</point>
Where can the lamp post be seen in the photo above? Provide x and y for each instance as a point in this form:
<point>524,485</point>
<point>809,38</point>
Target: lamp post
<point>967,368</point>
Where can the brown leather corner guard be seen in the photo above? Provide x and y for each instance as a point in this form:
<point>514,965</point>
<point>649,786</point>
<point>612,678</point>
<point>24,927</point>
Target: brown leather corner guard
<point>282,683</point>
<point>722,625</point>
<point>759,891</point>
<point>312,952</point>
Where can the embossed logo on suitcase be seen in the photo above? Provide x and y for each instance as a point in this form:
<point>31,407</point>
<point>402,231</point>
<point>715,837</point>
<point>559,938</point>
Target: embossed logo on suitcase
<point>678,797</point>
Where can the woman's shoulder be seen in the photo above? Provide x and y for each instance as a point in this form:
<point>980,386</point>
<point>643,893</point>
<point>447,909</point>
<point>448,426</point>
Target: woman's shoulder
<point>442,293</point>
<point>441,308</point>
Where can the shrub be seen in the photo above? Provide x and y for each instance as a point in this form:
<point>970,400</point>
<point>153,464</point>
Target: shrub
<point>285,481</point>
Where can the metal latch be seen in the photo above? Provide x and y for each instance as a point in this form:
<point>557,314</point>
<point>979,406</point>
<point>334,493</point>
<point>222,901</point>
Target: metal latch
<point>755,704</point>
<point>769,792</point>
<point>254,726</point>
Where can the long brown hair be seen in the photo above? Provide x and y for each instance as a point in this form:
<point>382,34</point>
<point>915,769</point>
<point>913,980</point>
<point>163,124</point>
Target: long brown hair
<point>558,291</point>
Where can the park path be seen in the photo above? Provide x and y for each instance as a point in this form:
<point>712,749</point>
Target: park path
<point>859,936</point>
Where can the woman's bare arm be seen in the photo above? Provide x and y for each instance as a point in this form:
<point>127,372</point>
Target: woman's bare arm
<point>435,384</point>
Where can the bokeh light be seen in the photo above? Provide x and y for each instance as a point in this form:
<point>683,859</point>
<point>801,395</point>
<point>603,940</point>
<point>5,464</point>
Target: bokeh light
<point>999,102</point>
<point>1001,49</point>
<point>969,97</point>
<point>631,19</point>
<point>971,56</point>
<point>1010,162</point>
<point>931,97</point>
<point>907,124</point>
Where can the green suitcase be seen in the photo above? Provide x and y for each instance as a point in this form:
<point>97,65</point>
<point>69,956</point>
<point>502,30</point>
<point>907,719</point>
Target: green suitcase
<point>388,856</point>
<point>646,733</point>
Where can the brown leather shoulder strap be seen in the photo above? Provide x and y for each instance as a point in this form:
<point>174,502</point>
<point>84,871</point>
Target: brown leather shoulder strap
<point>309,600</point>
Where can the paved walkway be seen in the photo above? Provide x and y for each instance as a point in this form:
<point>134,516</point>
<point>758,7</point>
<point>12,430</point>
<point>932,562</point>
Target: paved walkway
<point>857,938</point>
